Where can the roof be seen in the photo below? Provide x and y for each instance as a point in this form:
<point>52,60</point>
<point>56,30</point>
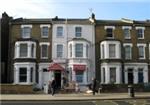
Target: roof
<point>55,66</point>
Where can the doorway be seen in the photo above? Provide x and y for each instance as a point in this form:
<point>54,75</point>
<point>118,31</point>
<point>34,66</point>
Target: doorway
<point>130,76</point>
<point>57,75</point>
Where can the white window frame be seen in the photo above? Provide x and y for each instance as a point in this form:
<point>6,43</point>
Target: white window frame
<point>61,51</point>
<point>20,51</point>
<point>142,28</point>
<point>110,27</point>
<point>129,28</point>
<point>143,45</point>
<point>78,32</point>
<point>131,45</point>
<point>109,51</point>
<point>22,31</point>
<point>82,50</point>
<point>58,36</point>
<point>41,26</point>
<point>47,44</point>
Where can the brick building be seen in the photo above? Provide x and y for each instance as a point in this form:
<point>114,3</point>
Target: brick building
<point>122,51</point>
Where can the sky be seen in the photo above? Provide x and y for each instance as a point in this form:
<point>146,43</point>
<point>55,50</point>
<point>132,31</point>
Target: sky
<point>103,9</point>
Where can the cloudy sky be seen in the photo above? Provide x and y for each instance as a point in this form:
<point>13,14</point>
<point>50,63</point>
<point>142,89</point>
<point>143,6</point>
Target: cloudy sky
<point>104,9</point>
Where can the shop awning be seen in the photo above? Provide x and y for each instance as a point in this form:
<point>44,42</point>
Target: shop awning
<point>79,67</point>
<point>55,66</point>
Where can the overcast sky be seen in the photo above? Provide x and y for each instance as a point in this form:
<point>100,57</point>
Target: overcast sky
<point>103,9</point>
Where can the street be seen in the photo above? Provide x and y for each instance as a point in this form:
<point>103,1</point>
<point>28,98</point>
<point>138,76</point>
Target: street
<point>99,102</point>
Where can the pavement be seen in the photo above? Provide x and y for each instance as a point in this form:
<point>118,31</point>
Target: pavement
<point>72,97</point>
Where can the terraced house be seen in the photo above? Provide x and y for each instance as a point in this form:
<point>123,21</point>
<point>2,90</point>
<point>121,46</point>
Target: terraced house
<point>115,51</point>
<point>45,48</point>
<point>30,48</point>
<point>122,51</point>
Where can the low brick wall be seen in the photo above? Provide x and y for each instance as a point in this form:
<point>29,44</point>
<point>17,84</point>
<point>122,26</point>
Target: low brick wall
<point>117,88</point>
<point>16,89</point>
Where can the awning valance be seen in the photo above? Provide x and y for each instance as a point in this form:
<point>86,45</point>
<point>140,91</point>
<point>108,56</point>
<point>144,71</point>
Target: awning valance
<point>55,66</point>
<point>79,67</point>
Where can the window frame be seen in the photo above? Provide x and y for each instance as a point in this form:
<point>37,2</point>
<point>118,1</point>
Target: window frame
<point>59,33</point>
<point>44,57</point>
<point>58,51</point>
<point>79,51</point>
<point>110,53</point>
<point>23,51</point>
<point>43,35</point>
<point>77,32</point>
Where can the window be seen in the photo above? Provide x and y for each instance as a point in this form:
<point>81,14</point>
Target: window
<point>141,52</point>
<point>103,75</point>
<point>23,50</point>
<point>59,31</point>
<point>23,75</point>
<point>87,50</point>
<point>79,76</point>
<point>109,32</point>
<point>31,75</point>
<point>79,50</point>
<point>140,33</point>
<point>78,31</point>
<point>127,33</point>
<point>128,53</point>
<point>45,70</point>
<point>44,51</point>
<point>140,75</point>
<point>26,31</point>
<point>32,50</point>
<point>102,52</point>
<point>112,50</point>
<point>70,50</point>
<point>59,50</point>
<point>112,75</point>
<point>44,32</point>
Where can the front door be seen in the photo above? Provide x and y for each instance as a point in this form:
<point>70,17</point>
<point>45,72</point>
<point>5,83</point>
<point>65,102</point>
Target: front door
<point>58,79</point>
<point>130,76</point>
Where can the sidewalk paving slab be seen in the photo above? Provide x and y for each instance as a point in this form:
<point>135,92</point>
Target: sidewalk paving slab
<point>71,97</point>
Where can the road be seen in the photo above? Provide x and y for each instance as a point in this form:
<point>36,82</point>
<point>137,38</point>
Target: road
<point>101,102</point>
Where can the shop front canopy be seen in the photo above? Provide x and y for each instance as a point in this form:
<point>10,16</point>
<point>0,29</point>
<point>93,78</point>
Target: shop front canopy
<point>55,66</point>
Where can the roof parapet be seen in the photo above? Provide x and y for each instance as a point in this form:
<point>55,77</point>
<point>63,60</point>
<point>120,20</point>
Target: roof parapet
<point>127,20</point>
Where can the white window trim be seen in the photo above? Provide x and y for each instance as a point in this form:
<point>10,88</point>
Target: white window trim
<point>143,28</point>
<point>29,25</point>
<point>131,45</point>
<point>62,50</point>
<point>128,44</point>
<point>45,25</point>
<point>81,30</point>
<point>105,27</point>
<point>62,31</point>
<point>43,43</point>
<point>144,45</point>
<point>126,27</point>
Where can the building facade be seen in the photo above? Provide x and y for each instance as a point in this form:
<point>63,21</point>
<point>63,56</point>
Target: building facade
<point>122,51</point>
<point>30,50</point>
<point>116,52</point>
<point>73,49</point>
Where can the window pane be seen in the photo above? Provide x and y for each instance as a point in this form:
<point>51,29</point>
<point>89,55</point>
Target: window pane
<point>59,50</point>
<point>78,31</point>
<point>127,52</point>
<point>109,32</point>
<point>44,50</point>
<point>87,50</point>
<point>140,33</point>
<point>32,50</point>
<point>44,31</point>
<point>112,75</point>
<point>59,31</point>
<point>141,52</point>
<point>102,52</point>
<point>79,76</point>
<point>112,51</point>
<point>79,50</point>
<point>23,74</point>
<point>70,50</point>
<point>26,31</point>
<point>23,50</point>
<point>127,33</point>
